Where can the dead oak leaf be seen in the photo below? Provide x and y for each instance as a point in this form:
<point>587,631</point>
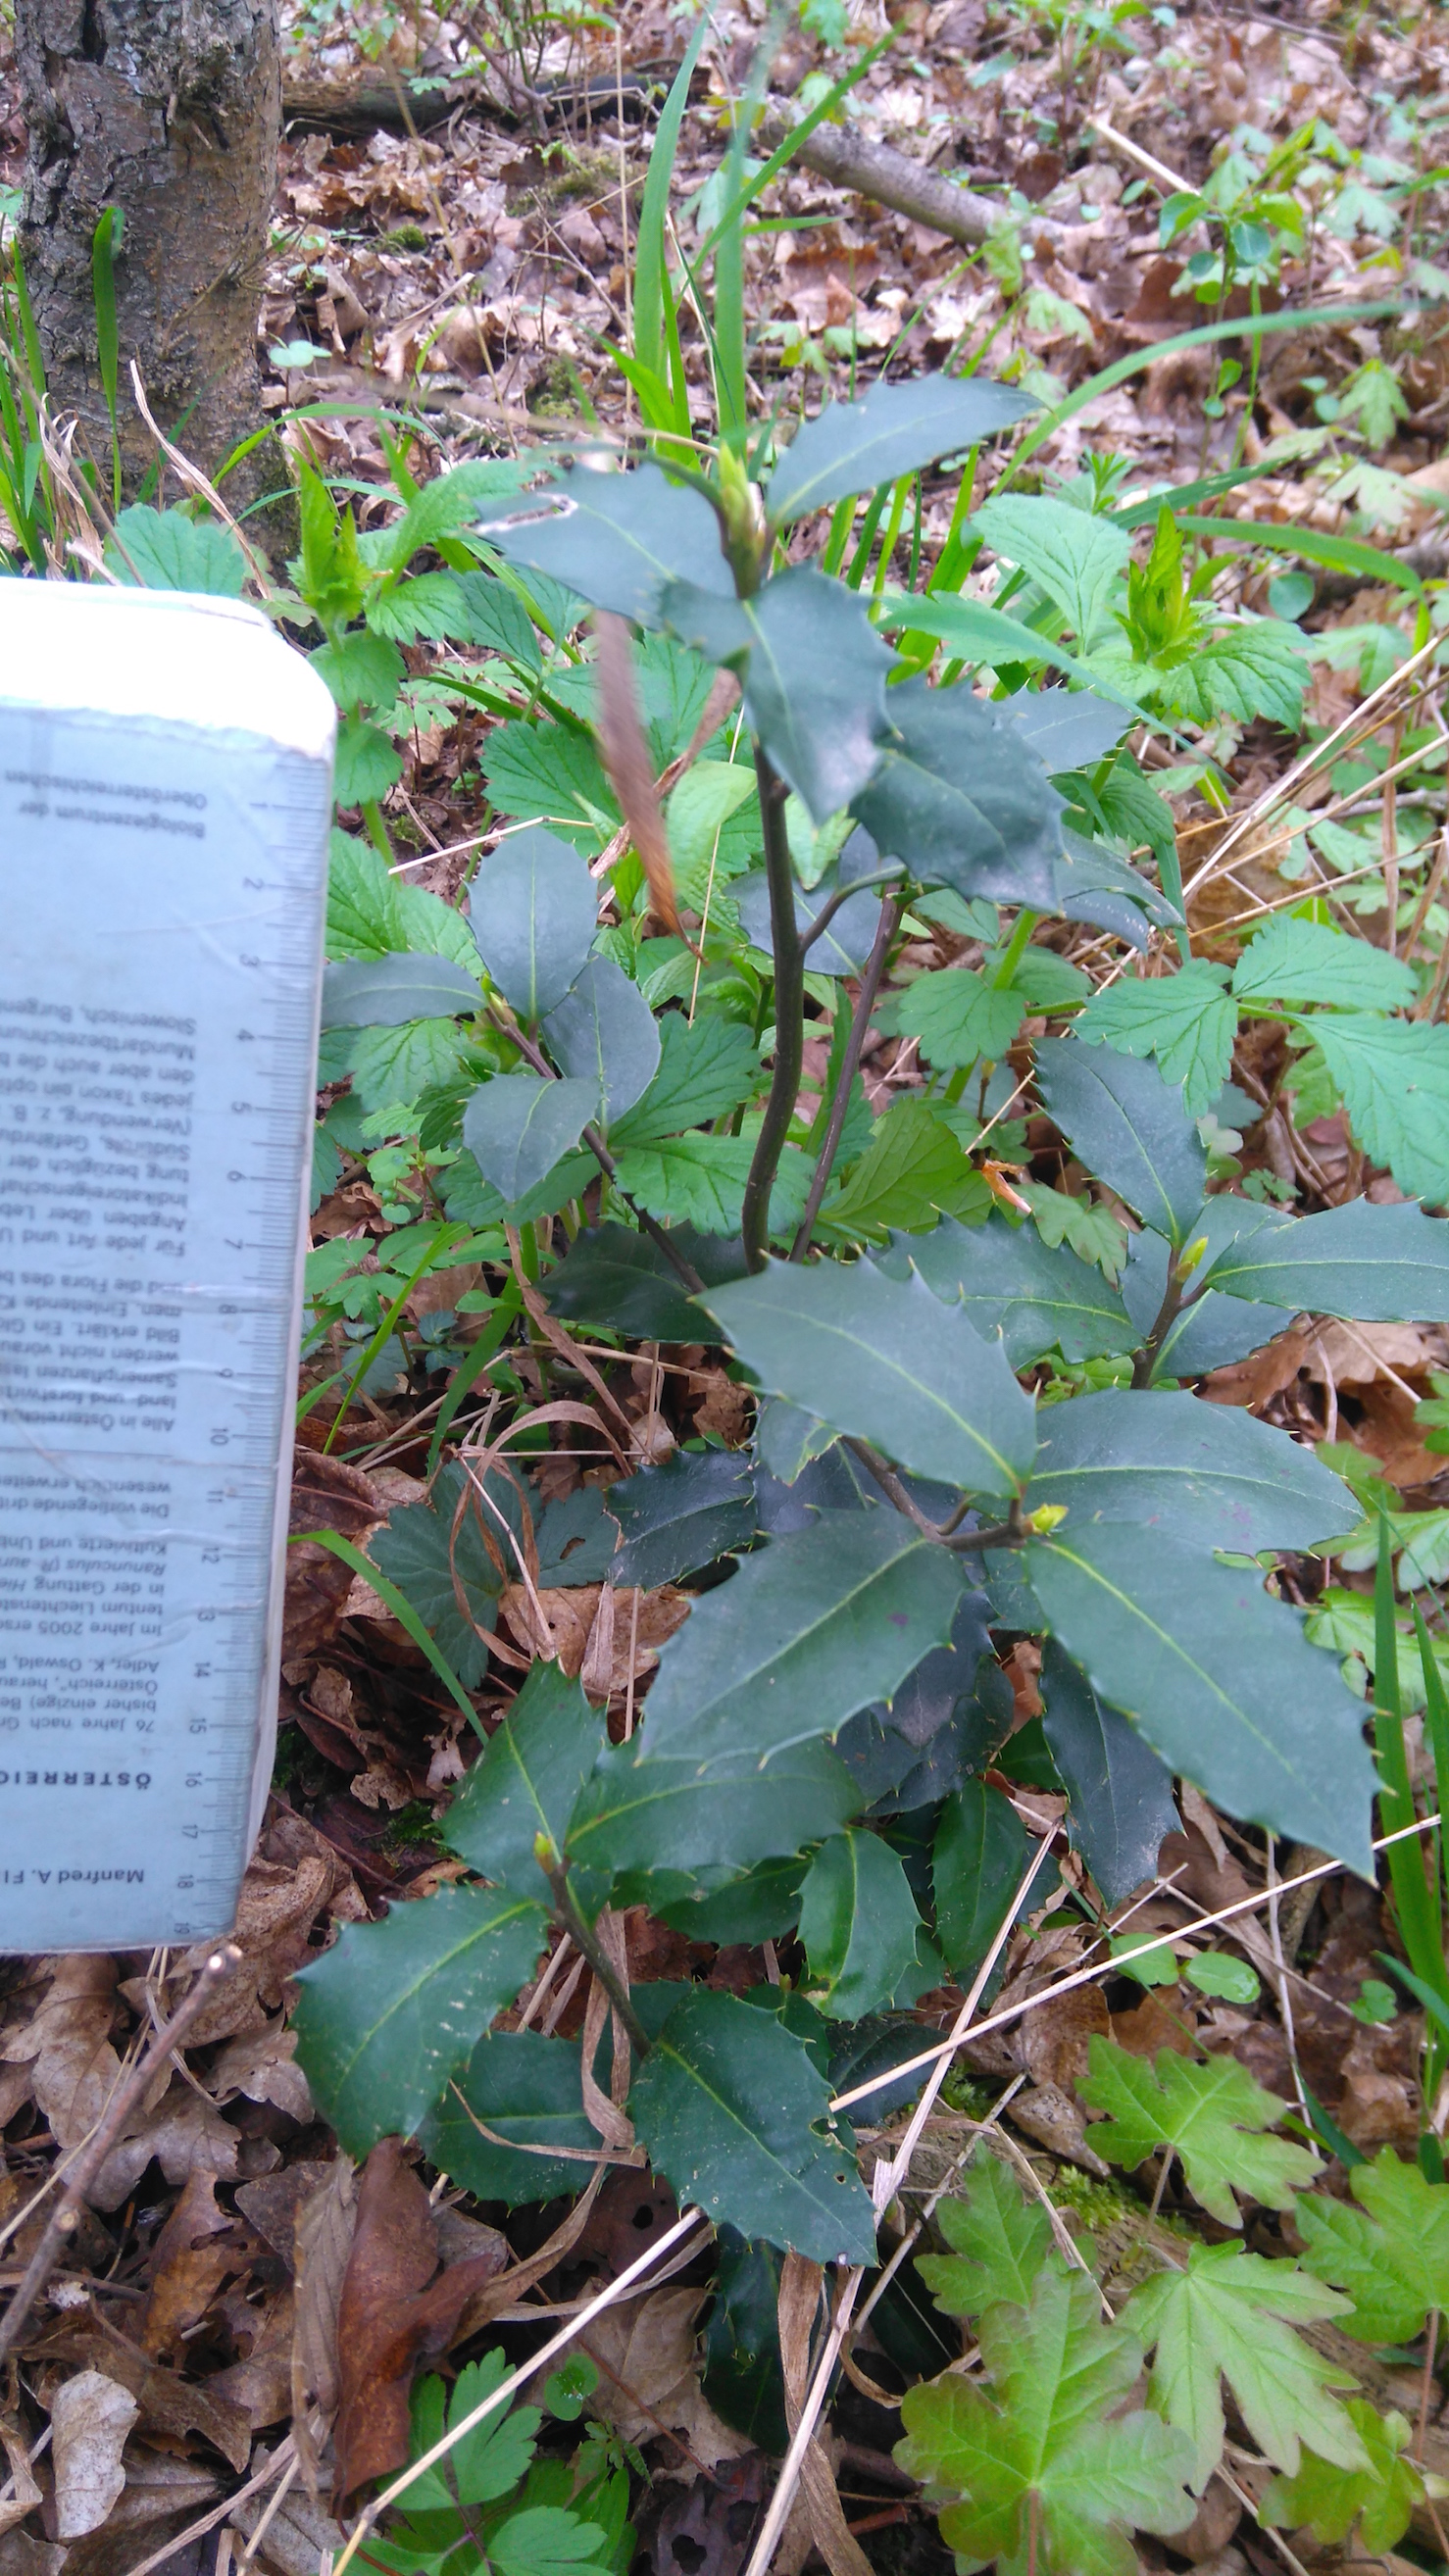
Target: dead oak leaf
<point>90,2418</point>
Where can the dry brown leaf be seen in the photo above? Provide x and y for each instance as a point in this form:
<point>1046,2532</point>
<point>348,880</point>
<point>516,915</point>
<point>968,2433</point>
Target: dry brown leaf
<point>1154,2024</point>
<point>571,1617</point>
<point>22,2478</point>
<point>723,1408</point>
<point>278,1903</point>
<point>800,2286</point>
<point>184,2133</point>
<point>261,2382</point>
<point>1054,2038</point>
<point>323,2229</point>
<point>73,2069</point>
<point>1050,2116</point>
<point>187,2269</point>
<point>326,1494</point>
<point>647,2355</point>
<point>392,2314</point>
<point>263,2065</point>
<point>300,2536</point>
<point>171,2407</point>
<point>1354,1355</point>
<point>90,2417</point>
<point>1253,1382</point>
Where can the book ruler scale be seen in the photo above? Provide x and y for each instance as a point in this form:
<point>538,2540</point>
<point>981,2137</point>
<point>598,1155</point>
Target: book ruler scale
<point>165,781</point>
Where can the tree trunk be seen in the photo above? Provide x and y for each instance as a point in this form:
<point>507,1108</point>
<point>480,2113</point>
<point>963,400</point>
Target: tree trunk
<point>169,110</point>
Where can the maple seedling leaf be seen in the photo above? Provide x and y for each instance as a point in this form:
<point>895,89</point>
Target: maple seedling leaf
<point>1035,2470</point>
<point>999,2242</point>
<point>1211,2115</point>
<point>1328,2500</point>
<point>1231,2316</point>
<point>545,2540</point>
<point>1391,2254</point>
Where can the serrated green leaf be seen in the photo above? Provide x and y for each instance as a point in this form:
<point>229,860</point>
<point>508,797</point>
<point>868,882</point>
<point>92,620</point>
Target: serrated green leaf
<point>889,431</point>
<point>1213,2116</point>
<point>1075,556</point>
<point>1374,1264</point>
<point>699,1180</point>
<point>1328,2500</point>
<point>977,1859</point>
<point>705,839</point>
<point>912,1173</point>
<point>526,1782</point>
<point>959,1016</point>
<point>388,992</point>
<point>364,911</point>
<point>962,801</point>
<point>731,2108</point>
<point>1393,1078</point>
<point>1092,1231</point>
<point>1047,2473</point>
<point>615,1279</point>
<point>884,1360</point>
<point>552,774</point>
<point>365,764</point>
<point>527,2090</point>
<point>663,1813</point>
<point>1220,1679</point>
<point>1129,1127</point>
<point>1196,1471</point>
<point>616,539</point>
<point>361,670</point>
<point>1120,1791</point>
<point>1231,2316</point>
<point>486,2463</point>
<point>517,1127</point>
<point>390,2015</point>
<point>1306,961</point>
<point>534,911</point>
<point>859,1924</point>
<point>814,676</point>
<point>169,550</point>
<point>392,1065</point>
<point>682,1515</point>
<point>1037,1298</point>
<point>999,2243</point>
<point>1391,2253</point>
<point>707,1068</point>
<point>1185,1020</point>
<point>545,2540</point>
<point>810,1629</point>
<point>1246,671</point>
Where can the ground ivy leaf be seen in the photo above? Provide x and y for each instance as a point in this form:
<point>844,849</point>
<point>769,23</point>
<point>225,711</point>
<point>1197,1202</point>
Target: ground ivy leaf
<point>962,801</point>
<point>999,2243</point>
<point>526,1781</point>
<point>977,1860</point>
<point>1129,1127</point>
<point>891,430</point>
<point>1046,2474</point>
<point>616,539</point>
<point>1220,1679</point>
<point>390,2015</point>
<point>1328,2500</point>
<point>1206,1472</point>
<point>1379,1265</point>
<point>810,1629</point>
<point>1214,2116</point>
<point>1120,1791</point>
<point>1186,1021</point>
<point>884,1360</point>
<point>731,2108</point>
<point>665,1813</point>
<point>859,1924</point>
<point>1391,2254</point>
<point>1230,2316</point>
<point>1038,1297</point>
<point>1306,961</point>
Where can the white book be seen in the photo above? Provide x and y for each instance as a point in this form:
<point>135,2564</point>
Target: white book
<point>165,781</point>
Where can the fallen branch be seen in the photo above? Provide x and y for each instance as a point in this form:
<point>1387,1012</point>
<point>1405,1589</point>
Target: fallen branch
<point>844,156</point>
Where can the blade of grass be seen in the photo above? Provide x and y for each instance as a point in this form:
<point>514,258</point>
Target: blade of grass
<point>105,242</point>
<point>468,1372</point>
<point>1415,1907</point>
<point>650,272</point>
<point>1337,554</point>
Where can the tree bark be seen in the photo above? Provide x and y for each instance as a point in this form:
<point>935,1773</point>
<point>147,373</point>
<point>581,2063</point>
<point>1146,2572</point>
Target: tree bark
<point>169,110</point>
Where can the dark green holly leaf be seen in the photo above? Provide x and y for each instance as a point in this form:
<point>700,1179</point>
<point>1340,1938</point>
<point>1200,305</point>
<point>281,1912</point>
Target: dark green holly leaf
<point>416,1551</point>
<point>1214,2116</point>
<point>977,1860</point>
<point>620,1281</point>
<point>885,1360</point>
<point>1094,884</point>
<point>1037,1298</point>
<point>762,1904</point>
<point>1391,2253</point>
<point>814,673</point>
<point>946,1720</point>
<point>708,1067</point>
<point>526,2090</point>
<point>859,1924</point>
<point>1328,2500</point>
<point>999,2244</point>
<point>391,2014</point>
<point>1129,1127</point>
<point>912,1172</point>
<point>526,1781</point>
<point>1066,728</point>
<point>577,1537</point>
<point>1210,1332</point>
<point>1220,1679</point>
<point>962,801</point>
<point>1187,1021</point>
<point>616,539</point>
<point>604,1033</point>
<point>1120,1792</point>
<point>1231,2316</point>
<point>1198,1471</point>
<point>665,1813</point>
<point>680,1516</point>
<point>889,431</point>
<point>534,910</point>
<point>742,2378</point>
<point>1049,2473</point>
<point>845,943</point>
<point>389,992</point>
<point>730,2107</point>
<point>1375,1264</point>
<point>518,1126</point>
<point>810,1629</point>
